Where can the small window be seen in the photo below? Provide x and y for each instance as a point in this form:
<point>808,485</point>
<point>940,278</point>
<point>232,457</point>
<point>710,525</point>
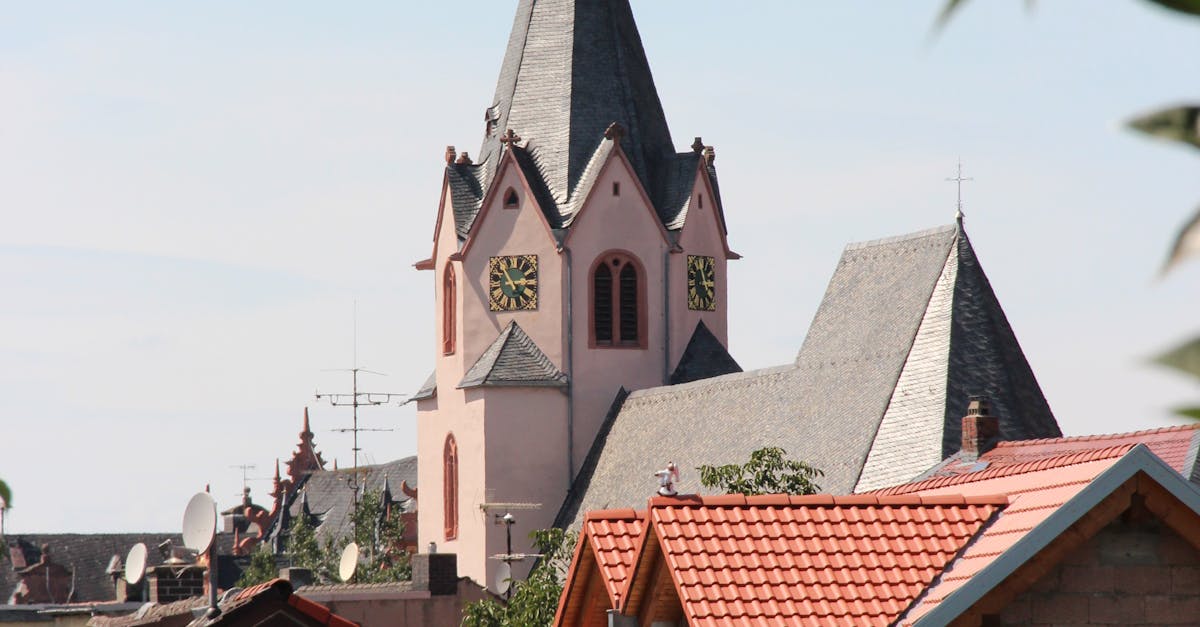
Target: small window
<point>701,204</point>
<point>616,188</point>
<point>618,316</point>
<point>511,200</point>
<point>450,487</point>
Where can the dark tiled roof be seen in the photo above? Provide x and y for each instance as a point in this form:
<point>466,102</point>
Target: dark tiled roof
<point>428,389</point>
<point>704,357</point>
<point>87,554</point>
<point>572,68</point>
<point>466,194</point>
<point>331,498</point>
<point>879,387</point>
<point>513,360</point>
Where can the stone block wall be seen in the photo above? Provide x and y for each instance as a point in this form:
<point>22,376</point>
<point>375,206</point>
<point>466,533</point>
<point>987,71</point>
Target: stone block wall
<point>1131,573</point>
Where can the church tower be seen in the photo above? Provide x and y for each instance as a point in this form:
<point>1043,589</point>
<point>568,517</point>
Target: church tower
<point>579,254</point>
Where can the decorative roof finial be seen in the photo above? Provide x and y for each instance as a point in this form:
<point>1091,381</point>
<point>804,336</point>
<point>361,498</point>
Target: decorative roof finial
<point>464,159</point>
<point>710,155</point>
<point>510,138</point>
<point>698,146</point>
<point>614,131</point>
<point>450,152</point>
<point>959,178</point>
<point>667,478</point>
<point>305,430</point>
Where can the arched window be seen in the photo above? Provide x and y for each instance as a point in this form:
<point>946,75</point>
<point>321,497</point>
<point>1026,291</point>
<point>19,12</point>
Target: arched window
<point>450,486</point>
<point>618,303</point>
<point>449,310</point>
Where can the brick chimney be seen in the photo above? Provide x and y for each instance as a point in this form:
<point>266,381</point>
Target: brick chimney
<point>980,429</point>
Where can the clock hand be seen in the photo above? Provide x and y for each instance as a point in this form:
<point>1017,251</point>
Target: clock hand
<point>512,286</point>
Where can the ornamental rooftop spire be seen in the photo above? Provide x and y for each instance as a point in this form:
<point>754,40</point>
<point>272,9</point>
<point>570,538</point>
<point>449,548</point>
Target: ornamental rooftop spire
<point>572,68</point>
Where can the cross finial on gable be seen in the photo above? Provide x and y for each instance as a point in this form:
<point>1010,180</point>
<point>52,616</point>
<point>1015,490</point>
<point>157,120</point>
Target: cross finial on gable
<point>614,132</point>
<point>510,137</point>
<point>959,178</point>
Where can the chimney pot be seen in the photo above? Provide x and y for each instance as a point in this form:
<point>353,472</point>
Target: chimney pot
<point>450,153</point>
<point>980,429</point>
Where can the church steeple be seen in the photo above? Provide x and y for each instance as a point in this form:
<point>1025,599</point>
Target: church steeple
<point>572,68</point>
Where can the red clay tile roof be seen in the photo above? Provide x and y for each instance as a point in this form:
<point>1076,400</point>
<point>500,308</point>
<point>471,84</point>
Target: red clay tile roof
<point>613,536</point>
<point>1036,491</point>
<point>1171,444</point>
<point>821,559</point>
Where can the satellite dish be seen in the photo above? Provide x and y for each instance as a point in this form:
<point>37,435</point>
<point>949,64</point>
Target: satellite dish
<point>199,522</point>
<point>503,578</point>
<point>349,562</point>
<point>135,564</point>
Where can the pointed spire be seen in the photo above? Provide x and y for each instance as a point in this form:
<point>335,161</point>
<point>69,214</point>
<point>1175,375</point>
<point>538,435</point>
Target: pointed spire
<point>306,459</point>
<point>572,68</point>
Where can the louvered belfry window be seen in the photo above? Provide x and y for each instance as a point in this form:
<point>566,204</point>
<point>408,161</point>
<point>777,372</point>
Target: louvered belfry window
<point>617,302</point>
<point>450,487</point>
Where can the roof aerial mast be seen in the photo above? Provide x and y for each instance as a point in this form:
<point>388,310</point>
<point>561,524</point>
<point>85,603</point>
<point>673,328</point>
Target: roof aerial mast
<point>355,399</point>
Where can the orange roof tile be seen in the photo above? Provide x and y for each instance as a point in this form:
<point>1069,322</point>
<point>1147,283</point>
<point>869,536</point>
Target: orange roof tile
<point>1171,444</point>
<point>859,559</point>
<point>614,536</point>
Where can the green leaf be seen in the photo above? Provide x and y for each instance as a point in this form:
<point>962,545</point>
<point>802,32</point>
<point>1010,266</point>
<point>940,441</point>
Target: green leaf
<point>1189,412</point>
<point>5,494</point>
<point>1181,124</point>
<point>1187,243</point>
<point>1183,6</point>
<point>1185,358</point>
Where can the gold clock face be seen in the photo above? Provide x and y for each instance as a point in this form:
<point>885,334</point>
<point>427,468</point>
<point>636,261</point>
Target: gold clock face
<point>513,283</point>
<point>702,289</point>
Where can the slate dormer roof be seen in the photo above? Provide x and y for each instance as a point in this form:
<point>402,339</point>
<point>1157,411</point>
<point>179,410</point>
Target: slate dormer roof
<point>572,69</point>
<point>513,360</point>
<point>909,328</point>
<point>704,357</point>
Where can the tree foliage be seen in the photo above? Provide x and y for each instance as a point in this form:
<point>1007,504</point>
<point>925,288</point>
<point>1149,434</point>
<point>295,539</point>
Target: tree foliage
<point>262,568</point>
<point>534,600</point>
<point>382,554</point>
<point>767,472</point>
<point>5,494</point>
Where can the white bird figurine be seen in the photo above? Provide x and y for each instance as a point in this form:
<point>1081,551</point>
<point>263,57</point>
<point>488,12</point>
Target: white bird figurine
<point>667,478</point>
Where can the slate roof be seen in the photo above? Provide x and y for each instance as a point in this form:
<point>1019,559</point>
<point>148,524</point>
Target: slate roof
<point>428,389</point>
<point>703,358</point>
<point>909,328</point>
<point>513,359</point>
<point>571,69</point>
<point>331,499</point>
<point>89,555</point>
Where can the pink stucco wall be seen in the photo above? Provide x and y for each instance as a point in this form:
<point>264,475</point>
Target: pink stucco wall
<point>512,442</point>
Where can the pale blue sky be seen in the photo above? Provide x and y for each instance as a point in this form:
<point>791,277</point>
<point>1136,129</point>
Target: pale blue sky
<point>194,194</point>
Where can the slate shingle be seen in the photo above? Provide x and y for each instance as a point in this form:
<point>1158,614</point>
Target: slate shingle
<point>828,406</point>
<point>513,359</point>
<point>704,357</point>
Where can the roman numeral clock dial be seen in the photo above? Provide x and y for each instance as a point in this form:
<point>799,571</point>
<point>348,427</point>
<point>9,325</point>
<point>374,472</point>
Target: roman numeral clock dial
<point>513,283</point>
<point>702,288</point>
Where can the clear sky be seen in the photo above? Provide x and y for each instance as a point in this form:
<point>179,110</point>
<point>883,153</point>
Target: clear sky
<point>195,194</point>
